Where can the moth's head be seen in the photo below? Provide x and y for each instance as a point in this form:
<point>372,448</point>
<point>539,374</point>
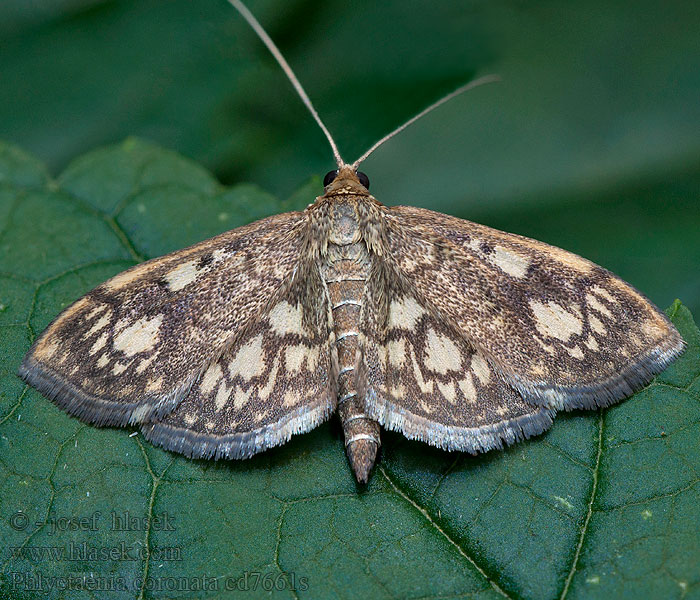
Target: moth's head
<point>345,180</point>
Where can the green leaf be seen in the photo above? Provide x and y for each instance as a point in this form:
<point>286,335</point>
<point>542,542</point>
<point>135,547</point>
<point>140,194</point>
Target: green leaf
<point>605,505</point>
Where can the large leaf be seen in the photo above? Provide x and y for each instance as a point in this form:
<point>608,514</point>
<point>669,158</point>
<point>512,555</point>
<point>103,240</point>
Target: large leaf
<point>604,505</point>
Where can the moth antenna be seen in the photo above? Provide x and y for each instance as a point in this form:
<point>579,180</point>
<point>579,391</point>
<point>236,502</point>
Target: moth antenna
<point>262,34</point>
<point>469,86</point>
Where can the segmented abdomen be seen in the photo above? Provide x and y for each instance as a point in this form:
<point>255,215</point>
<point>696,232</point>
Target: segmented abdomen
<point>346,277</point>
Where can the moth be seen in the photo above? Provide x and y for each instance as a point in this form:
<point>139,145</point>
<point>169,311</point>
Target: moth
<point>450,332</point>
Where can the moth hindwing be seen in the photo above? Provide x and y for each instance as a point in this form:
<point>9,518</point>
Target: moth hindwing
<point>453,333</point>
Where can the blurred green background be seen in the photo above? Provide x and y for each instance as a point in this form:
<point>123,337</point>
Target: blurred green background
<point>592,141</point>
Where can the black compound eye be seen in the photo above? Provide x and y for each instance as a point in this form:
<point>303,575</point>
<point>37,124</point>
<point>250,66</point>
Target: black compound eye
<point>364,180</point>
<point>330,176</point>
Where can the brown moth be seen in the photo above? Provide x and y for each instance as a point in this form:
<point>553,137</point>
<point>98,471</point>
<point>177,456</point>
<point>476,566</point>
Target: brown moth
<point>453,333</point>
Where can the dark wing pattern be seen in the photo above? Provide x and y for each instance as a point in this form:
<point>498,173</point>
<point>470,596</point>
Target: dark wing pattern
<point>130,350</point>
<point>424,379</point>
<point>561,330</point>
<point>276,379</point>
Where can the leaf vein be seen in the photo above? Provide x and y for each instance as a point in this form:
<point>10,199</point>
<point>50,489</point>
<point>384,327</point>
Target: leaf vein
<point>432,522</point>
<point>589,512</point>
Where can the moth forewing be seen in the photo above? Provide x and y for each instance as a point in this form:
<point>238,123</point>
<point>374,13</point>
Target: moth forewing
<point>131,349</point>
<point>562,331</point>
<point>453,333</point>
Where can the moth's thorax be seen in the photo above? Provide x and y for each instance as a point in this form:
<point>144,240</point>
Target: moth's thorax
<point>345,222</point>
<point>345,219</point>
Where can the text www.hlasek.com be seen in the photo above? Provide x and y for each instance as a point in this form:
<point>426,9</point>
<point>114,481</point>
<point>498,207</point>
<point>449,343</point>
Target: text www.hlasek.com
<point>83,551</point>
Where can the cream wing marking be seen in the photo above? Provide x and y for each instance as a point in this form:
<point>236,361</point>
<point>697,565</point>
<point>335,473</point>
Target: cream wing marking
<point>563,331</point>
<point>276,380</point>
<point>425,380</point>
<point>131,348</point>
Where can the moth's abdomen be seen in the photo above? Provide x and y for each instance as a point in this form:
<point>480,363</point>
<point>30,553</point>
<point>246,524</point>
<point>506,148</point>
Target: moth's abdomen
<point>346,274</point>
